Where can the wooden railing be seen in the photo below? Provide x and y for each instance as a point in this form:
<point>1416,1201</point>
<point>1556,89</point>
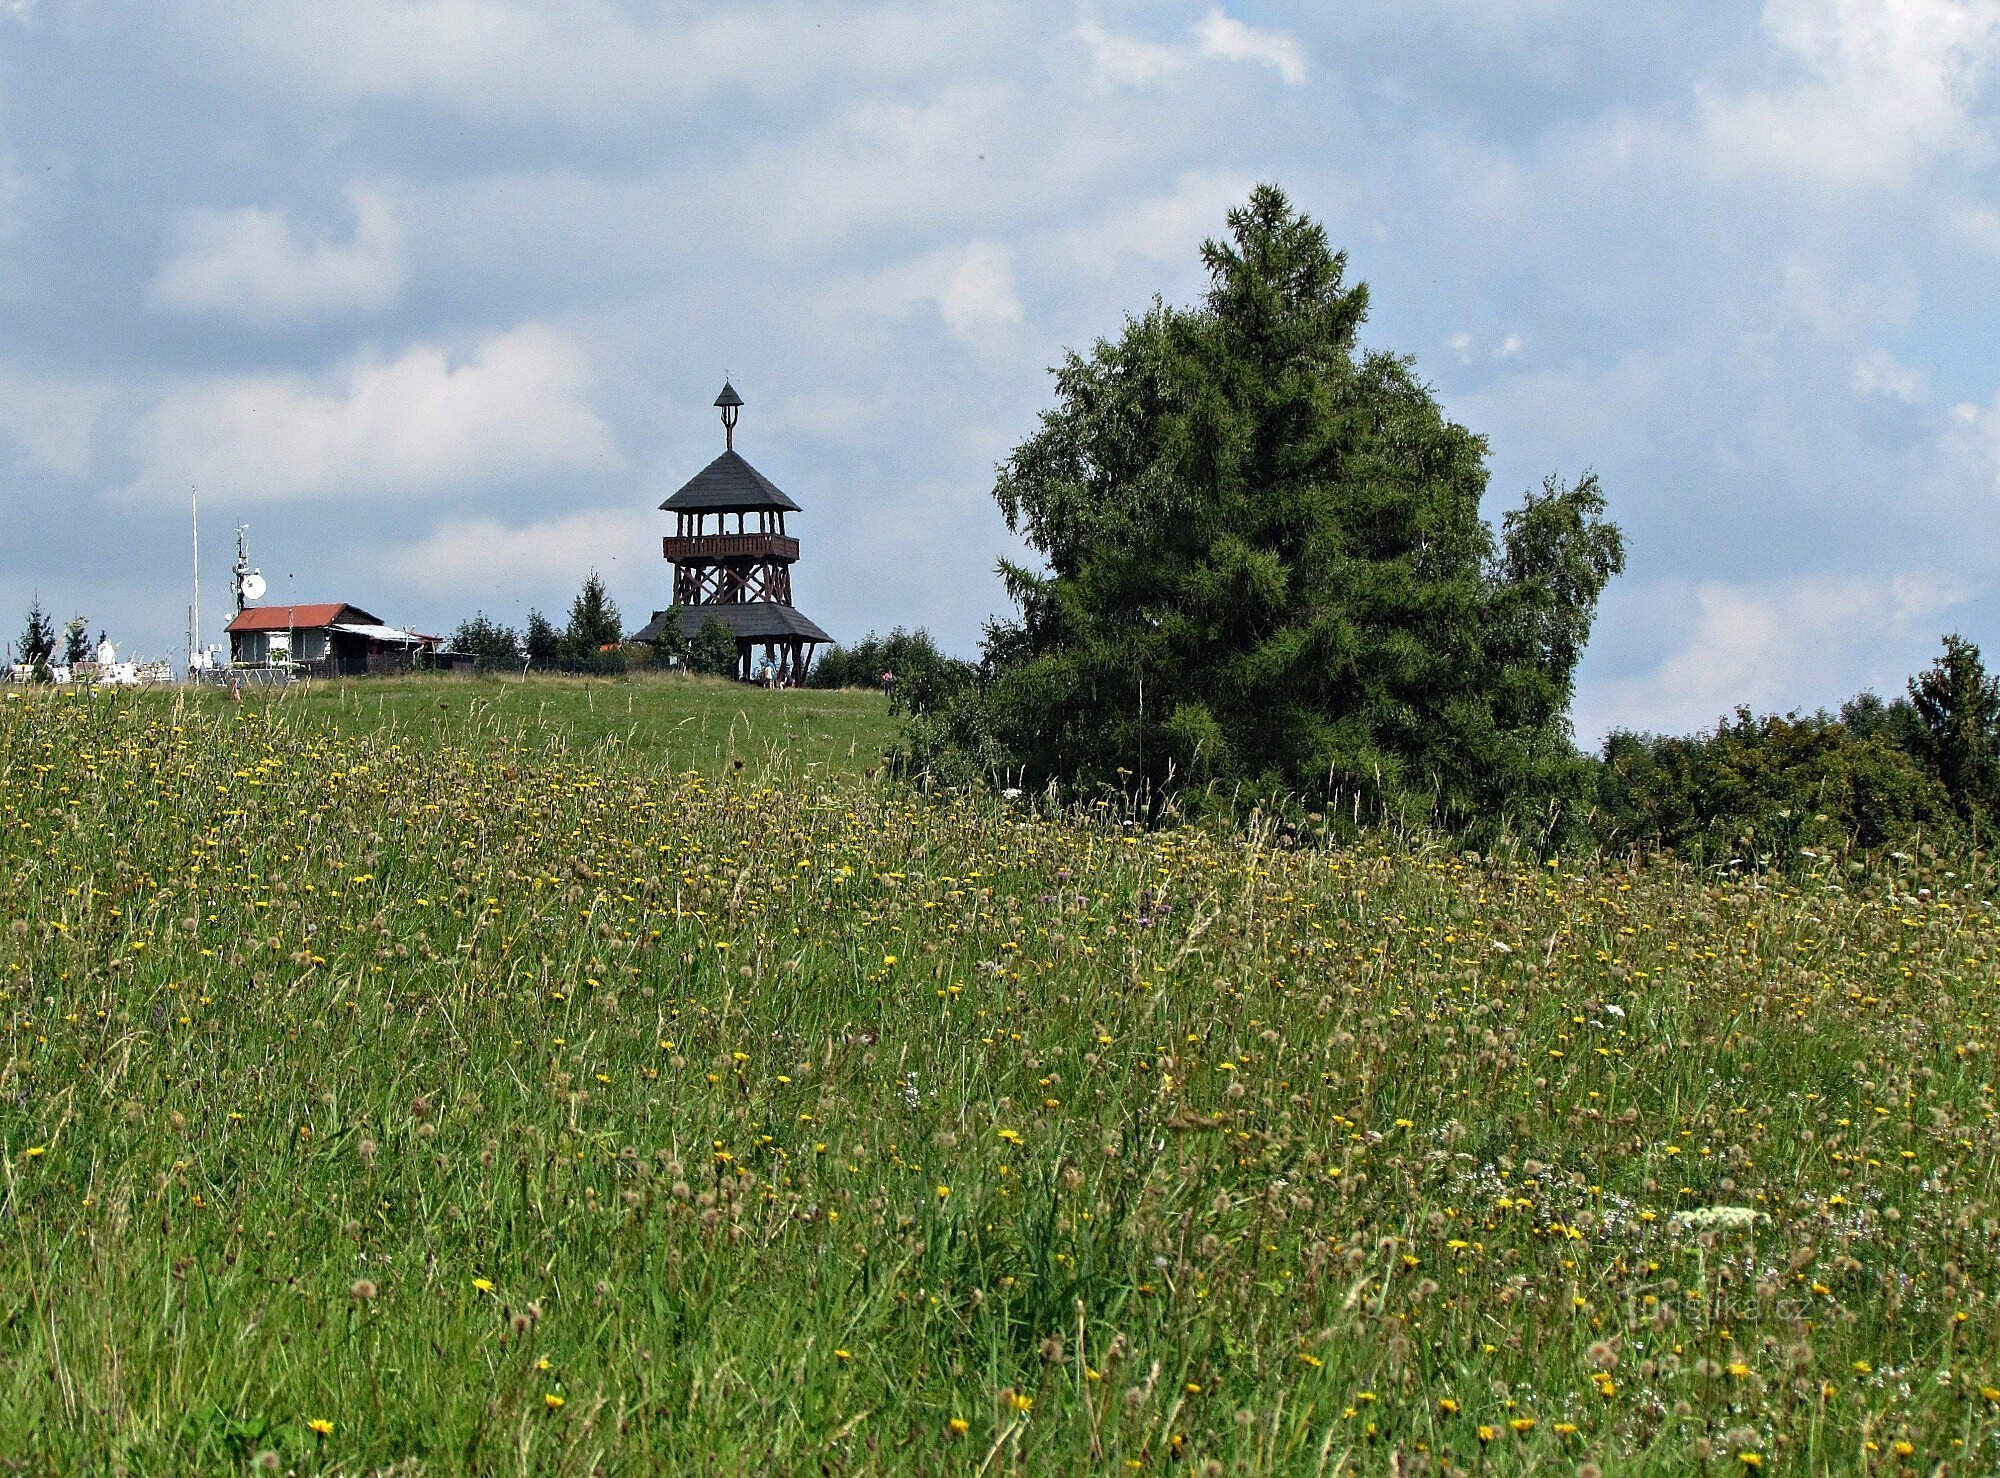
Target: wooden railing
<point>730,546</point>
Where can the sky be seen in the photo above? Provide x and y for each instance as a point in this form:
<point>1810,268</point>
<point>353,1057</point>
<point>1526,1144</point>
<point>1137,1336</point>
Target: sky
<point>435,295</point>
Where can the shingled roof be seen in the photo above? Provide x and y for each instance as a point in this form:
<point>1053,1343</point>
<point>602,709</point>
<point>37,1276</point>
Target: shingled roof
<point>755,620</point>
<point>728,484</point>
<point>297,618</point>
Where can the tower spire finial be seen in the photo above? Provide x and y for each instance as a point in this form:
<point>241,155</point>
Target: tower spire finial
<point>731,405</point>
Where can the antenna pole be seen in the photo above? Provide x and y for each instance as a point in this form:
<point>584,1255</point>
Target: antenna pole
<point>194,611</point>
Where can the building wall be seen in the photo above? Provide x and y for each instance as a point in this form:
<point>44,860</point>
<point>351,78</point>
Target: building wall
<point>253,647</point>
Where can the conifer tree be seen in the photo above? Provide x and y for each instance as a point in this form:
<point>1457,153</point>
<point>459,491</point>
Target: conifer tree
<point>1958,706</point>
<point>594,624</point>
<point>1263,565</point>
<point>37,645</point>
<point>76,642</point>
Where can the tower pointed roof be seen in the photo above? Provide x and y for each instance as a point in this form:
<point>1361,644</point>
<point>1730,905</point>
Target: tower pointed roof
<point>729,484</point>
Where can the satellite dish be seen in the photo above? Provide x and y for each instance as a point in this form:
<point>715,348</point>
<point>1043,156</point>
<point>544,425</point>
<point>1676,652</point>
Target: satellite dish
<point>253,586</point>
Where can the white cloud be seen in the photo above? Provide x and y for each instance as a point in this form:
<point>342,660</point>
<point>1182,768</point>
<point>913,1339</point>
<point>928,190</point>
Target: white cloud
<point>1775,646</point>
<point>1880,373</point>
<point>18,10</point>
<point>1460,344</point>
<point>1232,40</point>
<point>1971,450</point>
<point>1163,228</point>
<point>1118,60</point>
<point>1887,84</point>
<point>1978,225</point>
<point>49,422</point>
<point>970,287</point>
<point>417,424</point>
<point>480,558</point>
<point>980,296</point>
<point>1128,61</point>
<point>1509,347</point>
<point>593,62</point>
<point>250,264</point>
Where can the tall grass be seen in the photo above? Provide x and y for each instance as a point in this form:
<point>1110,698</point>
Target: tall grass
<point>457,1094</point>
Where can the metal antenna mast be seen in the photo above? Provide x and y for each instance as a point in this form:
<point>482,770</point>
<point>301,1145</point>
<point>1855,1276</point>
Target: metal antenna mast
<point>194,611</point>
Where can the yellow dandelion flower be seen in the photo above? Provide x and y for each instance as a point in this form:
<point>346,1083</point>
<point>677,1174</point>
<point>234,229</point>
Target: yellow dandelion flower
<point>321,1426</point>
<point>552,1400</point>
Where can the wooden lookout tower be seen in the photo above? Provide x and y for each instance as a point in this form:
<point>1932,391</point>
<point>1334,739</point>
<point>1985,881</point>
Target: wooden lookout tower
<point>733,559</point>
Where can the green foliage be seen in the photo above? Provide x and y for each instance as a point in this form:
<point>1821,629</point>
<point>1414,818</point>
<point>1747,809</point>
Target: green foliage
<point>671,646</point>
<point>912,655</point>
<point>1957,707</point>
<point>493,646</point>
<point>1767,791</point>
<point>713,650</point>
<point>541,643</point>
<point>1265,570</point>
<point>37,645</point>
<point>595,632</point>
<point>76,642</point>
<point>1895,723</point>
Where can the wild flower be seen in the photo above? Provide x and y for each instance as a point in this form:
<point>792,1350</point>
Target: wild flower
<point>1719,1218</point>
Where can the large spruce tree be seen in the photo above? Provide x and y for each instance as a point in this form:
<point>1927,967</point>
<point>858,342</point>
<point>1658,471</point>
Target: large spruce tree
<point>1265,567</point>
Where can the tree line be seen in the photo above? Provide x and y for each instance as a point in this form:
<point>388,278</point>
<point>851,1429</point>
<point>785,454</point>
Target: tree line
<point>1791,790</point>
<point>592,640</point>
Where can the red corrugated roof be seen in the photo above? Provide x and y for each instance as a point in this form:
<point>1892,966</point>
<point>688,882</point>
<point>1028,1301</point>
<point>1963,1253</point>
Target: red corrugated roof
<point>297,618</point>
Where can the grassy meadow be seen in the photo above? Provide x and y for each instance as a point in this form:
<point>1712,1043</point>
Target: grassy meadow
<point>471,1076</point>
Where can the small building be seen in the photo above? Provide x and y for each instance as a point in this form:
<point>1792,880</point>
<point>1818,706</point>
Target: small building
<point>330,639</point>
<point>740,575</point>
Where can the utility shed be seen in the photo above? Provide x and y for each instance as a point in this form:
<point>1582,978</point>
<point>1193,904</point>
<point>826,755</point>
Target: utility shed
<point>324,639</point>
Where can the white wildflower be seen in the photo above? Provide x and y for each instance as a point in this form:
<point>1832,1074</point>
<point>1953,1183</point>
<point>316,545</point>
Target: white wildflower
<point>1718,1218</point>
